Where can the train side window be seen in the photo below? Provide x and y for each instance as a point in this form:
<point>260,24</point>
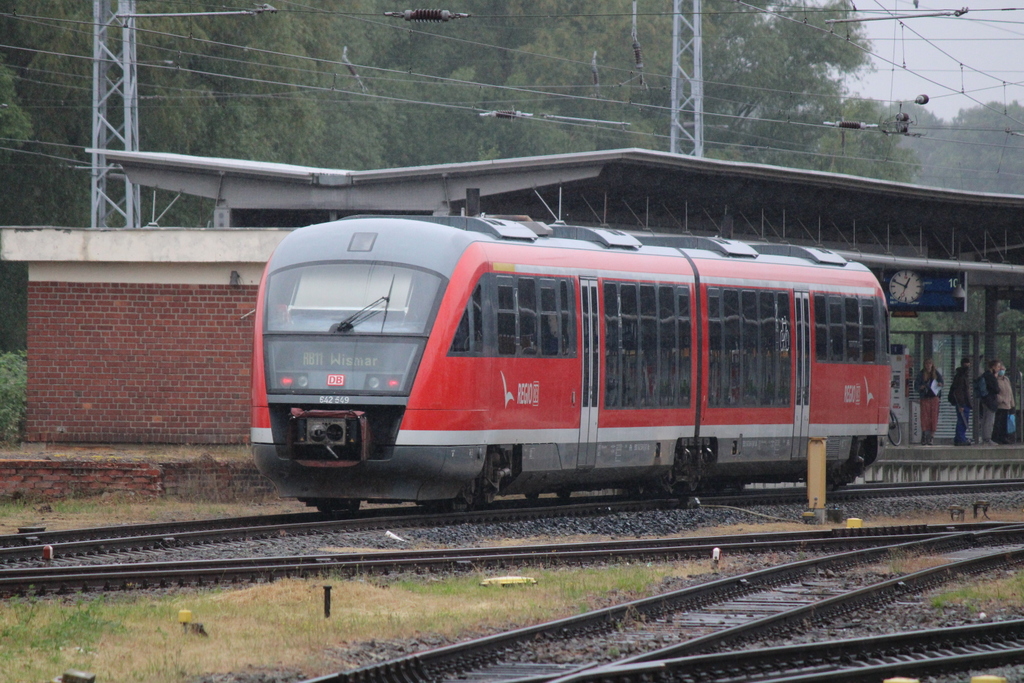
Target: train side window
<point>852,306</point>
<point>527,308</point>
<point>715,346</point>
<point>507,332</point>
<point>647,352</point>
<point>647,345</point>
<point>836,328</point>
<point>731,346</point>
<point>613,347</point>
<point>684,355</point>
<point>749,357</point>
<point>469,335</point>
<point>820,328</point>
<point>568,330</point>
<point>668,347</point>
<point>630,326</point>
<point>869,335</point>
<point>768,350</point>
<point>549,319</point>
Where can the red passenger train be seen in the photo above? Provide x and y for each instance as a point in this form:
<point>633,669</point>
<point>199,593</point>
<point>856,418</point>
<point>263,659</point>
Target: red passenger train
<point>452,359</point>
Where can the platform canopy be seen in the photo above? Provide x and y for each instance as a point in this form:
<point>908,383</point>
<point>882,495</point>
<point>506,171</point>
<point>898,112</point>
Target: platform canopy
<point>887,223</point>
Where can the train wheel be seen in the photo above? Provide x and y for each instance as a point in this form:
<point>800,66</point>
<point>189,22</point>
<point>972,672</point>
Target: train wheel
<point>533,497</point>
<point>564,496</point>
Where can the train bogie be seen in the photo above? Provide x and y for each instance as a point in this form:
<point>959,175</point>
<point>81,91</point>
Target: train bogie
<point>456,359</point>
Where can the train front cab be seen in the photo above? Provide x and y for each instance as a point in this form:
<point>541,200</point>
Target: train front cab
<point>344,317</point>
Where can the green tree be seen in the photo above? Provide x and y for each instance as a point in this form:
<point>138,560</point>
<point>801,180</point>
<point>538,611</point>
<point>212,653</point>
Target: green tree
<point>275,88</point>
<point>980,150</point>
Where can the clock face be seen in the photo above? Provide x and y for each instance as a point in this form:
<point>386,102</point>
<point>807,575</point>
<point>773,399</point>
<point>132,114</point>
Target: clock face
<point>906,286</point>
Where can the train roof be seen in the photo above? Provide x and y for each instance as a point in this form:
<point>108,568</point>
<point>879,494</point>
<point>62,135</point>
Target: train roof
<point>437,242</point>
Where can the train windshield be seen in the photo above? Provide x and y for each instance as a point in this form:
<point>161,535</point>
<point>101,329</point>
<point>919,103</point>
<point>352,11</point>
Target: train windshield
<point>351,298</point>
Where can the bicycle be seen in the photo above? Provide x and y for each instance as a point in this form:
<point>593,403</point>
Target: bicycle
<point>895,430</point>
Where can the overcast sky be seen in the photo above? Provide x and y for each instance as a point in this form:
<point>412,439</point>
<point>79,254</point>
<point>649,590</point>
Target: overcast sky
<point>988,44</point>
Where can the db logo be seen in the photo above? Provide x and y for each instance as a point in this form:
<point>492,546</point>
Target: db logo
<point>335,380</point>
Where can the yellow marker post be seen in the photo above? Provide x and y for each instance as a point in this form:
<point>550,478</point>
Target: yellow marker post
<point>184,618</point>
<point>509,581</point>
<point>816,477</point>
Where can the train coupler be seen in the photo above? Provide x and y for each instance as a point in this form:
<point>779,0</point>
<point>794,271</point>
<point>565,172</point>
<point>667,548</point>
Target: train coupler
<point>343,434</point>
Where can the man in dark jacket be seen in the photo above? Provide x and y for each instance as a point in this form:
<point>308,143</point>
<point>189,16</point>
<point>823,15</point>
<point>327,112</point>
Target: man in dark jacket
<point>960,397</point>
<point>988,390</point>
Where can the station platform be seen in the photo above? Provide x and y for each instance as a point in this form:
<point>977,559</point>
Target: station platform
<point>916,463</point>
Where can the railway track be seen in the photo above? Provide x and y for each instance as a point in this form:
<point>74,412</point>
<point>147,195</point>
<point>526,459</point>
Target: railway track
<point>694,620</point>
<point>77,542</point>
<point>43,580</point>
<point>29,545</point>
<point>911,654</point>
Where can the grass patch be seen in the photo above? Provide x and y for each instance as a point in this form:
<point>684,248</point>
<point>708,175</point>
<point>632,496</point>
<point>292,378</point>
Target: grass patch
<point>987,595</point>
<point>281,625</point>
<point>112,510</point>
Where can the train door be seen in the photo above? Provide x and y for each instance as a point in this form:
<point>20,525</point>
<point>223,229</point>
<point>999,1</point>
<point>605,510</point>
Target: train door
<point>801,353</point>
<point>591,374</point>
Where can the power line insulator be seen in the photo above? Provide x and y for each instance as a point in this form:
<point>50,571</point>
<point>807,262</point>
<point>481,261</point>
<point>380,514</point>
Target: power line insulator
<point>506,114</point>
<point>921,99</point>
<point>853,125</point>
<point>435,15</point>
<point>638,54</point>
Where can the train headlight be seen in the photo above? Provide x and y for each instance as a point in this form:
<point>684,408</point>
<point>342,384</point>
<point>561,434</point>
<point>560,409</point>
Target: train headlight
<point>293,381</point>
<point>384,382</point>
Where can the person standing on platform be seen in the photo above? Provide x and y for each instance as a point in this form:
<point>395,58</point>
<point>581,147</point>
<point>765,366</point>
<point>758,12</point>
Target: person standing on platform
<point>1004,408</point>
<point>960,397</point>
<point>929,387</point>
<point>987,389</point>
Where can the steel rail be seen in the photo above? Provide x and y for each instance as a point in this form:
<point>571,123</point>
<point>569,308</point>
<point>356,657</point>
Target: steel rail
<point>457,660</point>
<point>27,546</point>
<point>856,659</point>
<point>450,661</point>
<point>90,541</point>
<point>377,517</point>
<point>65,579</point>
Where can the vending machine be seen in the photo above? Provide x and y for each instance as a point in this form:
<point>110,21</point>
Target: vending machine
<point>907,412</point>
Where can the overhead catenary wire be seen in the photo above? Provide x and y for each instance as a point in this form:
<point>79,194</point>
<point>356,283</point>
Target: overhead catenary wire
<point>473,84</point>
<point>495,86</point>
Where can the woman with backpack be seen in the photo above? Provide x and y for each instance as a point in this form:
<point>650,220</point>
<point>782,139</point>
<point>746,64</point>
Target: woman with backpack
<point>1005,405</point>
<point>929,387</point>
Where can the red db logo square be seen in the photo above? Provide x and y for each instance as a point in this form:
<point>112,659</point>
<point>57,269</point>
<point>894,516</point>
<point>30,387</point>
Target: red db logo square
<point>335,380</point>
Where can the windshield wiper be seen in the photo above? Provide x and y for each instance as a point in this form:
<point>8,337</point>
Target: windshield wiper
<point>364,313</point>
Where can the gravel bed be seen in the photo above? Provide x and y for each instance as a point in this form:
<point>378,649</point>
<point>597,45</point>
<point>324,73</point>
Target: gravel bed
<point>621,525</point>
<point>905,615</point>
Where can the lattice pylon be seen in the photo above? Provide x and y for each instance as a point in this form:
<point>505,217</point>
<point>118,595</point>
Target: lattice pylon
<point>687,94</point>
<point>113,83</point>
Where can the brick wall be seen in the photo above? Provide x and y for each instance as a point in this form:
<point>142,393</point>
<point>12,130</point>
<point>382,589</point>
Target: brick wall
<point>138,363</point>
<point>205,480</point>
<point>45,479</point>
